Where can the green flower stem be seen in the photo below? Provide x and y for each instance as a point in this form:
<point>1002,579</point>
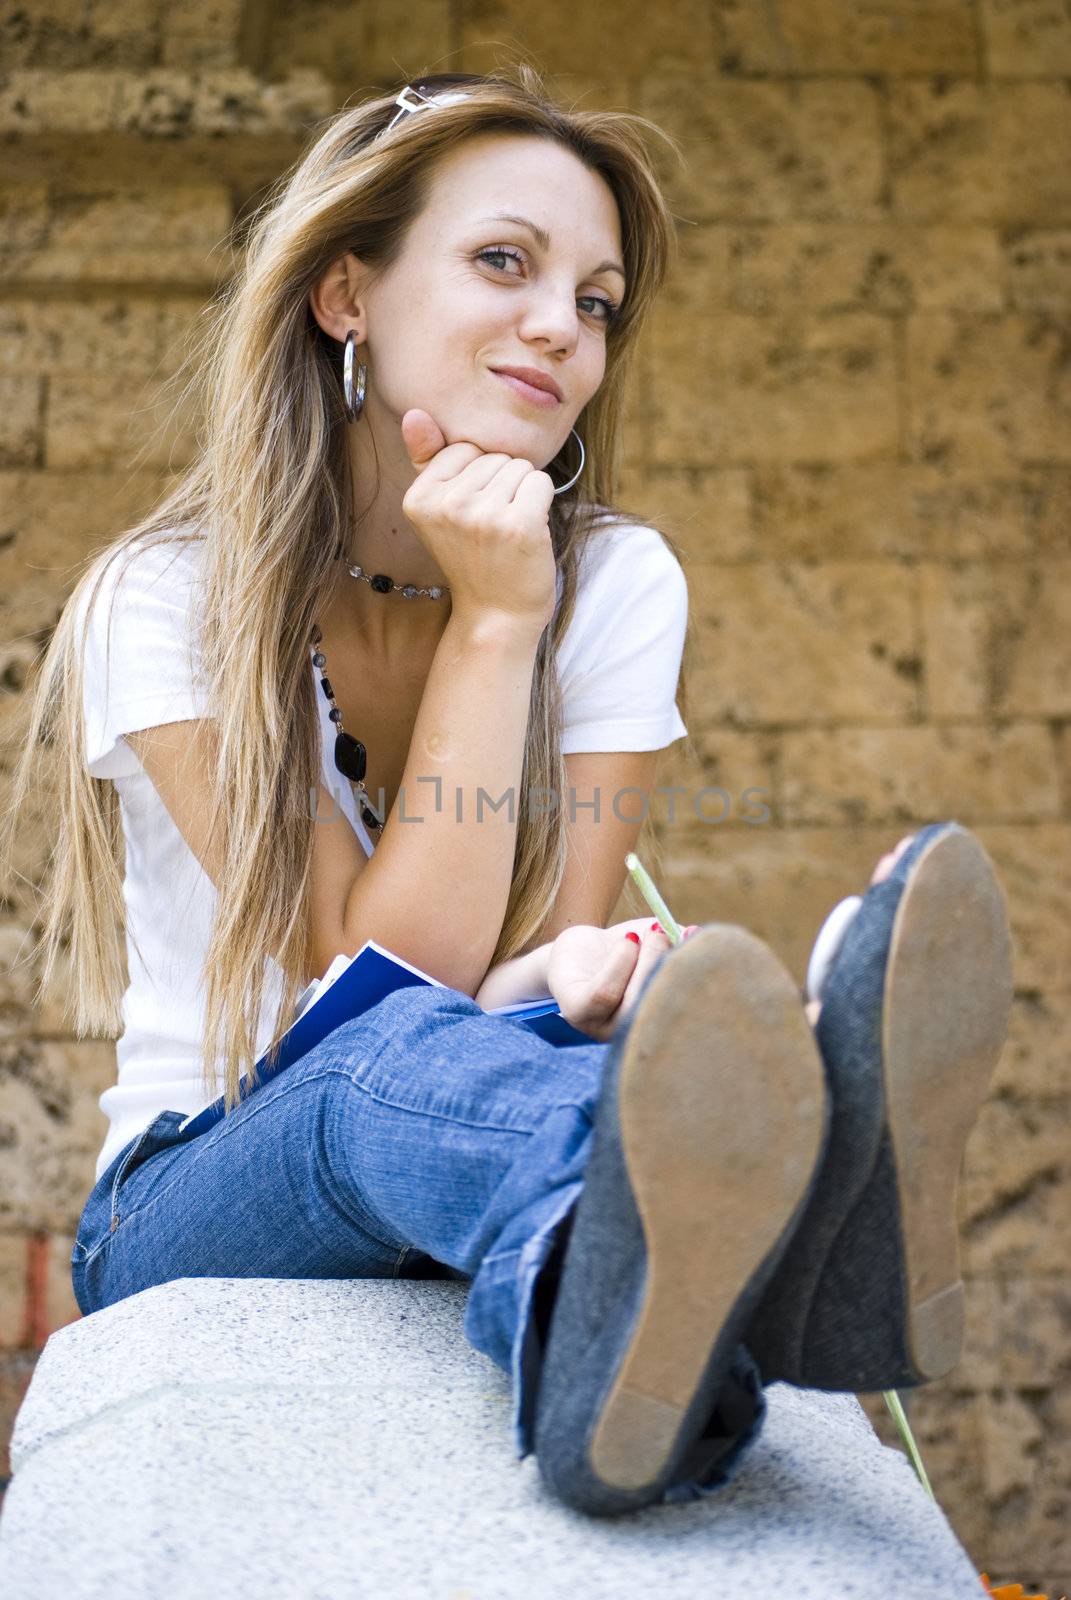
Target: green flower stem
<point>644,883</point>
<point>892,1400</point>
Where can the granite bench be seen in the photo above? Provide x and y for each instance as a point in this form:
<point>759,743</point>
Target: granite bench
<point>336,1439</point>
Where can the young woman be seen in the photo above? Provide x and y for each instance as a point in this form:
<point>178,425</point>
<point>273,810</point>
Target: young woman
<point>393,582</point>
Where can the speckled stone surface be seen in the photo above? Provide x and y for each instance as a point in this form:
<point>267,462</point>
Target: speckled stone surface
<point>336,1440</point>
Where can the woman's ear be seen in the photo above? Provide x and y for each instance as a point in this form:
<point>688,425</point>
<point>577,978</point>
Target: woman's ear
<point>337,299</point>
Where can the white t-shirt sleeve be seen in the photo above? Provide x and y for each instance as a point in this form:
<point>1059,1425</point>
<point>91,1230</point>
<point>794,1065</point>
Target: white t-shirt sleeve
<point>140,661</point>
<point>619,660</point>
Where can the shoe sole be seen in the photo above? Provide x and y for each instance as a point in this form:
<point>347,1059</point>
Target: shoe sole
<point>722,1111</point>
<point>947,997</point>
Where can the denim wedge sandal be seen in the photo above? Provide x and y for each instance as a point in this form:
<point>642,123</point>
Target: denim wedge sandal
<point>914,1015</point>
<point>711,1122</point>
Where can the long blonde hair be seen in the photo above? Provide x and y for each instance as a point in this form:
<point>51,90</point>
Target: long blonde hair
<point>267,497</point>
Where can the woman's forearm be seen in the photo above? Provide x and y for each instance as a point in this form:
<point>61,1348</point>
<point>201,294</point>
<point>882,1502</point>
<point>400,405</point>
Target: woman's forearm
<point>520,978</point>
<point>435,889</point>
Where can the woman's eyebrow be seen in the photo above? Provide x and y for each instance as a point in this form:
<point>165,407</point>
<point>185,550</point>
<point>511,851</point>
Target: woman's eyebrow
<point>542,238</point>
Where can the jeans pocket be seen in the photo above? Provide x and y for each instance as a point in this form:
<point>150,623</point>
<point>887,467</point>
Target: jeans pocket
<point>102,1212</point>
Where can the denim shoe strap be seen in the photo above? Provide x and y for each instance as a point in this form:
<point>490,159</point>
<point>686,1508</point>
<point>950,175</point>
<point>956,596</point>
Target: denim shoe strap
<point>828,943</point>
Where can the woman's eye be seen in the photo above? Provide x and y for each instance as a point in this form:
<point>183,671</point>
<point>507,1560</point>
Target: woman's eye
<point>609,309</point>
<point>503,255</point>
<point>606,316</point>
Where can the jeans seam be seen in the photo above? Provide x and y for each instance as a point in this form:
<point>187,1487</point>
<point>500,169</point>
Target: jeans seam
<point>388,1038</point>
<point>464,1122</point>
<point>499,1255</point>
<point>125,1165</point>
<point>404,1253</point>
<point>124,1168</point>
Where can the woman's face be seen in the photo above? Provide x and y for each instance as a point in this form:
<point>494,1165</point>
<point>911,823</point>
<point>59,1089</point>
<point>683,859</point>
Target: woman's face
<point>472,293</point>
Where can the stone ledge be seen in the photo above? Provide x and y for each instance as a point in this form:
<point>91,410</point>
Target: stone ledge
<point>247,1436</point>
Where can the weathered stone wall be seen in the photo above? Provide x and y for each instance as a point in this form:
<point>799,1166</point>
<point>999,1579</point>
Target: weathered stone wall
<point>852,414</point>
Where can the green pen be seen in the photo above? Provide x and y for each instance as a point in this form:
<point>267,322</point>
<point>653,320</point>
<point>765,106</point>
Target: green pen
<point>643,881</point>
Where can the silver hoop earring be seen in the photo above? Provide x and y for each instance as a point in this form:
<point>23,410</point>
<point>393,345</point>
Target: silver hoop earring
<point>579,469</point>
<point>354,401</point>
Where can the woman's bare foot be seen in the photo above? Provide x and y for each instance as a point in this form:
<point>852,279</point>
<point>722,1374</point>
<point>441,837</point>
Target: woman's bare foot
<point>888,862</point>
<point>880,873</point>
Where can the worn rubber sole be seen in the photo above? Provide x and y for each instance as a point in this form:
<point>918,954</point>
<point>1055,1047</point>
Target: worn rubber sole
<point>948,993</point>
<point>912,1025</point>
<point>722,1112</point>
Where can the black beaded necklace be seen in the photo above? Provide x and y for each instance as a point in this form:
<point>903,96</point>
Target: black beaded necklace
<point>351,757</point>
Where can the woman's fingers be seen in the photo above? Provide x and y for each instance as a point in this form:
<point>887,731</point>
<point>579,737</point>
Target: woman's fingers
<point>596,1009</point>
<point>596,987</point>
<point>484,516</point>
<point>535,493</point>
<point>435,460</point>
<point>653,946</point>
<point>614,979</point>
<point>654,942</point>
<point>422,437</point>
<point>471,468</point>
<point>587,970</point>
<point>502,486</point>
<point>481,471</point>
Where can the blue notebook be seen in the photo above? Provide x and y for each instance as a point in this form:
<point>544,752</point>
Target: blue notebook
<point>353,984</point>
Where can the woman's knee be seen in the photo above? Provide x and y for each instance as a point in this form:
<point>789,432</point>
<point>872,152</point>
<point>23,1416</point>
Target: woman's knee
<point>415,1012</point>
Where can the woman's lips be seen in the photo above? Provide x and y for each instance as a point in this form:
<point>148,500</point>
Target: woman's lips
<point>528,391</point>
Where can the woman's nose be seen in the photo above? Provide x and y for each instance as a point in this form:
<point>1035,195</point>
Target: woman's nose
<point>552,317</point>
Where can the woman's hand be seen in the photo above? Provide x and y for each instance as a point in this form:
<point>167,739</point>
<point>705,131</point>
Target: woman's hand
<point>596,974</point>
<point>485,519</point>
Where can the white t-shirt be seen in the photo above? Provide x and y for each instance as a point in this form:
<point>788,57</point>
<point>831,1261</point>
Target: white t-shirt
<point>618,665</point>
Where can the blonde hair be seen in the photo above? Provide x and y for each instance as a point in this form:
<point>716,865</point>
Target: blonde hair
<point>267,497</point>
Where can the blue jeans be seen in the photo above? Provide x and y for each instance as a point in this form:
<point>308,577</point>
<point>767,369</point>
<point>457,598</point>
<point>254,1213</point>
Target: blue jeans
<point>424,1138</point>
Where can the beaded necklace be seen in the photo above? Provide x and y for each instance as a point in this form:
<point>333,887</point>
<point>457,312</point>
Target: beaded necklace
<point>351,757</point>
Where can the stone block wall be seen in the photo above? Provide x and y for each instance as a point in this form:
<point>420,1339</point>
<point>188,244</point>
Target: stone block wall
<point>852,414</point>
